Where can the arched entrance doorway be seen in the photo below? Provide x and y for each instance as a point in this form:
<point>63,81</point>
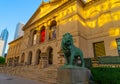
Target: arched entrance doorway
<point>30,58</point>
<point>38,56</point>
<point>23,58</point>
<point>50,55</point>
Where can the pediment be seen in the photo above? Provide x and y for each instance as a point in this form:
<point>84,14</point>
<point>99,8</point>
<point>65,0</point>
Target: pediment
<point>44,9</point>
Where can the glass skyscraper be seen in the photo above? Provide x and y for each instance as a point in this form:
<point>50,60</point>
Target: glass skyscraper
<point>1,46</point>
<point>4,37</point>
<point>19,32</point>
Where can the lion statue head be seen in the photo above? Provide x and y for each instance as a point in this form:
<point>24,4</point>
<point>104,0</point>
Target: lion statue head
<point>67,40</point>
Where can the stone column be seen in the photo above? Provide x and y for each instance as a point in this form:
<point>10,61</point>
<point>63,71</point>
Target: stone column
<point>30,39</point>
<point>47,33</point>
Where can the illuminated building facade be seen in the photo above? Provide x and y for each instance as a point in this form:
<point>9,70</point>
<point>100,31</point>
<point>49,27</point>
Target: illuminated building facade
<point>94,24</point>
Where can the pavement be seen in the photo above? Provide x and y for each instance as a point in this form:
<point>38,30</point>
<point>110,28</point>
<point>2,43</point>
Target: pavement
<point>6,79</point>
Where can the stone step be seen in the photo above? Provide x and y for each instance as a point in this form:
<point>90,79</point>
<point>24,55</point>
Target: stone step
<point>48,80</point>
<point>47,75</point>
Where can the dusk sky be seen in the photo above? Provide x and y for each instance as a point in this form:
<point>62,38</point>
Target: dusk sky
<point>14,11</point>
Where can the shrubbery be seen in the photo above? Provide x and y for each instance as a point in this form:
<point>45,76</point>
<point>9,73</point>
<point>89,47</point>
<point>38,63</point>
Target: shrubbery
<point>105,75</point>
<point>2,60</point>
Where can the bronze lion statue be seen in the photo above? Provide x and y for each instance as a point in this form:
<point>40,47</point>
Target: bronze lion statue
<point>72,54</point>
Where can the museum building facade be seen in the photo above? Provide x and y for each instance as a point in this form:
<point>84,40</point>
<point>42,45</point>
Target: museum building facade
<point>94,25</point>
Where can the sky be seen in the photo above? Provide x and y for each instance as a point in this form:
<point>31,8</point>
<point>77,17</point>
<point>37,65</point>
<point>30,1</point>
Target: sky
<point>15,11</point>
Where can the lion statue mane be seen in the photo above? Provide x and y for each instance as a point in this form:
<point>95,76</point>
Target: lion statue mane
<point>72,54</point>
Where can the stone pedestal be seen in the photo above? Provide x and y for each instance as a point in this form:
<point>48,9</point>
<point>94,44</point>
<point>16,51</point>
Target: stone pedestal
<point>43,61</point>
<point>61,59</point>
<point>74,76</point>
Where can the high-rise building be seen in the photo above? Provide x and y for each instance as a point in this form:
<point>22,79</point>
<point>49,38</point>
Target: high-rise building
<point>4,37</point>
<point>19,32</point>
<point>1,46</point>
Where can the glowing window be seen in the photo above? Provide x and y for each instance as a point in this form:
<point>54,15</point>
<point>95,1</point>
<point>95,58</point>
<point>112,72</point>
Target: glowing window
<point>42,38</point>
<point>99,49</point>
<point>34,37</point>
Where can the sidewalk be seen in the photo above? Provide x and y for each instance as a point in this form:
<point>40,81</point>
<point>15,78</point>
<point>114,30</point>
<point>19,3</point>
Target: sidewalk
<point>6,79</point>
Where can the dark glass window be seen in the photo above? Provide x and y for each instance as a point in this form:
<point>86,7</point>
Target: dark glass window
<point>118,45</point>
<point>99,49</point>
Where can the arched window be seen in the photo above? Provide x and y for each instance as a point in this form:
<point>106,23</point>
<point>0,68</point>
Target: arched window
<point>42,34</point>
<point>52,30</point>
<point>38,56</point>
<point>50,55</point>
<point>34,37</point>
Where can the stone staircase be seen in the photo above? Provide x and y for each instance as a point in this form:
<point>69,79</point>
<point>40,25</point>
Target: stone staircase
<point>47,75</point>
